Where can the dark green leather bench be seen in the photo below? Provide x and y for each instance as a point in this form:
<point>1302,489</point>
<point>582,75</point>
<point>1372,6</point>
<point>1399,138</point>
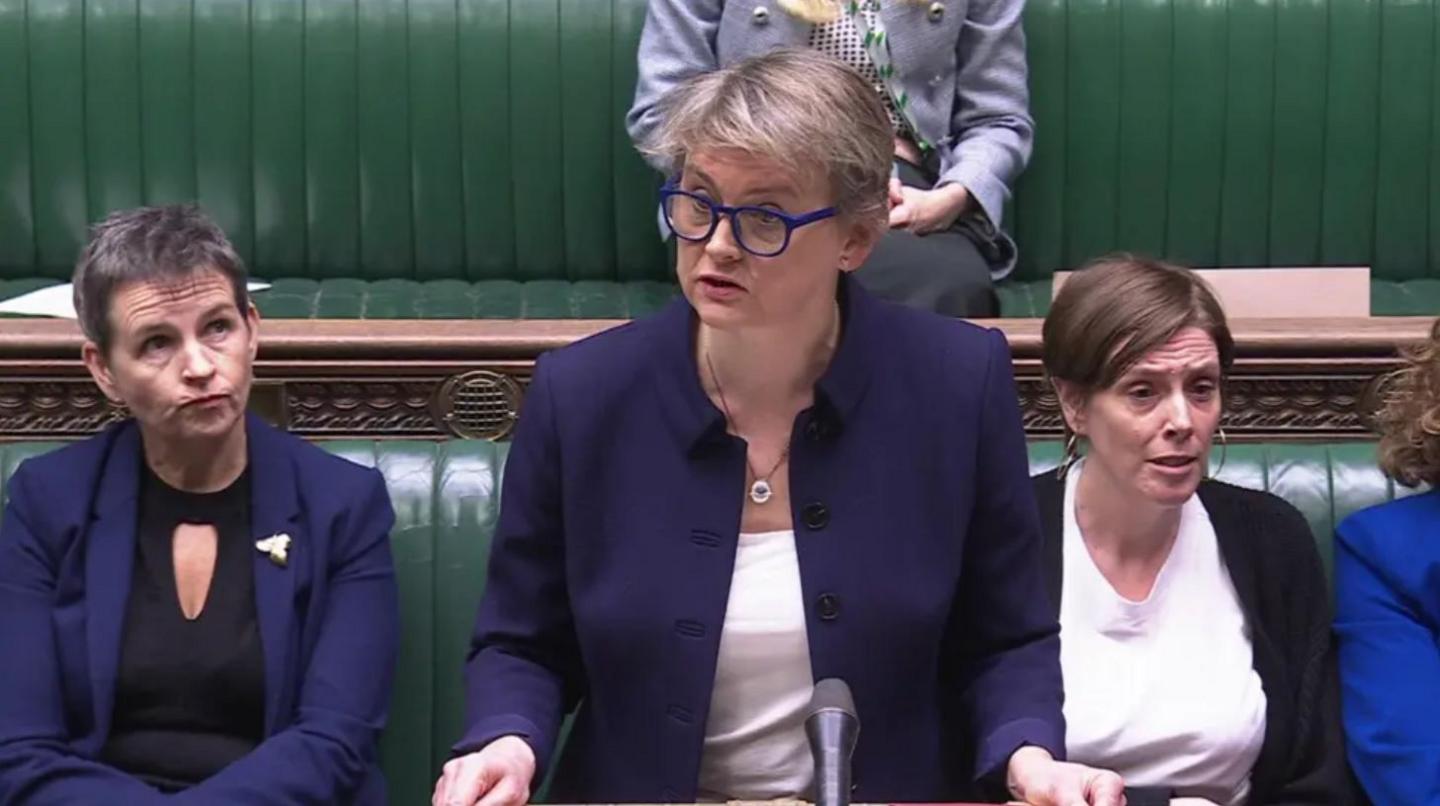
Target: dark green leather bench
<point>446,501</point>
<point>376,158</point>
<point>435,158</point>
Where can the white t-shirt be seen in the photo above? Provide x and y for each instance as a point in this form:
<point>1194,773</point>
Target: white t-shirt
<point>755,745</point>
<point>1163,691</point>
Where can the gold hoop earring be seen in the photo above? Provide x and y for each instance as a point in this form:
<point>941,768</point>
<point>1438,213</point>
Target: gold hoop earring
<point>1072,452</point>
<point>1224,451</point>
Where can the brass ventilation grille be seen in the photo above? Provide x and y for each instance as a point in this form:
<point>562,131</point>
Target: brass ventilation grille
<point>479,405</point>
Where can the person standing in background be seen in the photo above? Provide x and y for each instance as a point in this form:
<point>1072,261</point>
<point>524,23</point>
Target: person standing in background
<point>952,77</point>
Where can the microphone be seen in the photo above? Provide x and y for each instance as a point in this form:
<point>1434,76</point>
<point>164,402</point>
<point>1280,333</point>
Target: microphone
<point>832,728</point>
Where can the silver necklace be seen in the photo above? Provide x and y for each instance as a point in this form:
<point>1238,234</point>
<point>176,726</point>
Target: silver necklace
<point>760,490</point>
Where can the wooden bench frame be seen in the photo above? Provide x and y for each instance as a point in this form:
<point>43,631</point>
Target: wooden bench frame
<point>1299,379</point>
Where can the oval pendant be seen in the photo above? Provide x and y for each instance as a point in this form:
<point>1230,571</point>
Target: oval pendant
<point>760,491</point>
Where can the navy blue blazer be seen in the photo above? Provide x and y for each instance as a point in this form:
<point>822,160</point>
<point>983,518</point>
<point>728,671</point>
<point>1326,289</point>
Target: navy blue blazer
<point>918,544</point>
<point>329,625</point>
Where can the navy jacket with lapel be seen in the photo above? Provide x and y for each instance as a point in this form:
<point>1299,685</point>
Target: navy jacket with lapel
<point>917,537</point>
<point>329,624</point>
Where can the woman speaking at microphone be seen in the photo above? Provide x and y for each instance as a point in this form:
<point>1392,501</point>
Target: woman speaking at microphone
<point>775,480</point>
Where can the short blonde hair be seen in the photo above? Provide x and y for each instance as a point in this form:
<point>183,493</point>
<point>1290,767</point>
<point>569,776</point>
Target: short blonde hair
<point>804,110</point>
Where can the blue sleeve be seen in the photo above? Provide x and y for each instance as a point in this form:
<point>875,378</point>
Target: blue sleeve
<point>523,672</point>
<point>992,126</point>
<point>1389,670</point>
<point>37,762</point>
<point>677,42</point>
<point>325,754</point>
<point>1009,638</point>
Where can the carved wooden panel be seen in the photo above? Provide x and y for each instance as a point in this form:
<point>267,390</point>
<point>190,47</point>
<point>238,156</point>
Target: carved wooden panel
<point>381,407</point>
<point>482,404</point>
<point>1297,406</point>
<point>1264,407</point>
<point>53,408</point>
<point>435,380</point>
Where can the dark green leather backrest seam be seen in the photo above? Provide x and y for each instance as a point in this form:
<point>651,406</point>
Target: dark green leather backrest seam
<point>483,139</point>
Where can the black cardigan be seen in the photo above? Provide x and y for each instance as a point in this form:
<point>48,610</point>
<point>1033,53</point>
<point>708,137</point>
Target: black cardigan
<point>1267,548</point>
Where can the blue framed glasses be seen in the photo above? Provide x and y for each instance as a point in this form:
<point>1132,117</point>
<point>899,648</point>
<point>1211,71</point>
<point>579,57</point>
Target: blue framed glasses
<point>761,231</point>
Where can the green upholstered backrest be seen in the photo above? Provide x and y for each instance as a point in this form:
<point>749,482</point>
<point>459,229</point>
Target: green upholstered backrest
<point>446,501</point>
<point>483,139</point>
<point>1233,134</point>
<point>420,139</point>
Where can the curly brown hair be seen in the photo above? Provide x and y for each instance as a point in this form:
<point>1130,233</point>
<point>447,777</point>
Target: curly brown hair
<point>1409,416</point>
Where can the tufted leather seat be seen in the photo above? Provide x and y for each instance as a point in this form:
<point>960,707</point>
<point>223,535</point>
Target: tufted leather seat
<point>446,499</point>
<point>481,142</point>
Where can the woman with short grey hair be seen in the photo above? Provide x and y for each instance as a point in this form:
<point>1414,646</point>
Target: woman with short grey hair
<point>952,77</point>
<point>194,606</point>
<point>778,479</point>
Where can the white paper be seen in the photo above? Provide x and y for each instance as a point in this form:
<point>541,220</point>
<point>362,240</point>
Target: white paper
<point>59,301</point>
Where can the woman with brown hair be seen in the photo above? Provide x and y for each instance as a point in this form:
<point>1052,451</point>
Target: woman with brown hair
<point>1387,578</point>
<point>1193,614</point>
